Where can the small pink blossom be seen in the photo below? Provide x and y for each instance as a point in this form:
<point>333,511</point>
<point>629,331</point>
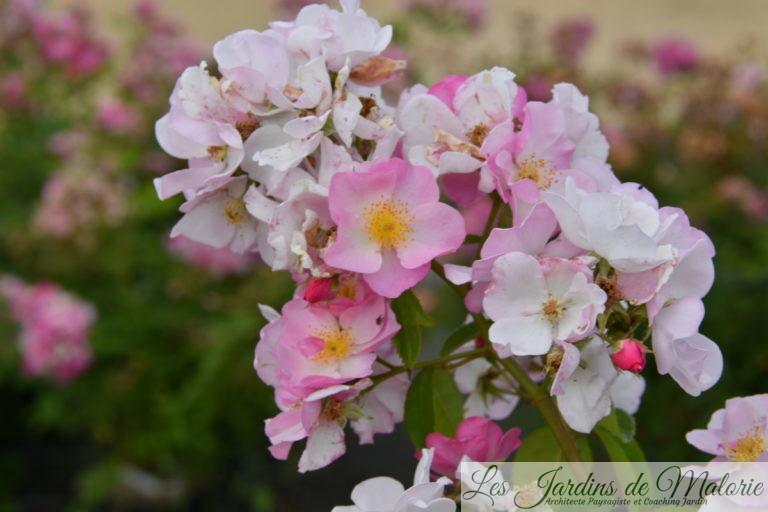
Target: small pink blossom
<point>534,302</point>
<point>390,224</point>
<point>737,433</point>
<point>478,438</point>
<point>630,356</point>
<point>384,494</point>
<point>116,117</point>
<point>587,385</point>
<point>674,55</point>
<point>313,346</point>
<point>55,327</point>
<point>219,218</point>
<point>570,37</point>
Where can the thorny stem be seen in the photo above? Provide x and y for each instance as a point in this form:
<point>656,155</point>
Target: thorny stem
<point>537,395</point>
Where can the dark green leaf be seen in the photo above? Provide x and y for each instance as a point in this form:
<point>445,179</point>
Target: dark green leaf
<point>621,424</point>
<point>539,446</point>
<point>433,404</point>
<point>459,337</point>
<point>411,317</point>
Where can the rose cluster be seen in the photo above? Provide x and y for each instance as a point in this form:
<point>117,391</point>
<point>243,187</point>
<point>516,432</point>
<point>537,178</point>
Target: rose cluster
<point>567,273</point>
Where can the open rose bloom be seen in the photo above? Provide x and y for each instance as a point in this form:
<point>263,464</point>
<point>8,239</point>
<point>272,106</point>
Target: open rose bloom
<point>572,280</point>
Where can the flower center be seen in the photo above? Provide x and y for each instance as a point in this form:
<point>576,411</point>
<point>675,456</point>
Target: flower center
<point>539,170</point>
<point>388,223</point>
<point>218,153</point>
<point>552,308</point>
<point>337,345</point>
<point>748,448</point>
<point>234,210</point>
<point>478,134</point>
<point>554,360</point>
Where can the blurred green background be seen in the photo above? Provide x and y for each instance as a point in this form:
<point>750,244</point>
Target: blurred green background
<point>170,414</point>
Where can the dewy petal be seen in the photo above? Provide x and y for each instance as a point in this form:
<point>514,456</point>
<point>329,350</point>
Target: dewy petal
<point>523,335</point>
<point>325,444</point>
<point>518,287</point>
<point>392,279</point>
<point>437,229</point>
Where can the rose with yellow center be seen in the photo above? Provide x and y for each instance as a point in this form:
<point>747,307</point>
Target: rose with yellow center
<point>388,223</point>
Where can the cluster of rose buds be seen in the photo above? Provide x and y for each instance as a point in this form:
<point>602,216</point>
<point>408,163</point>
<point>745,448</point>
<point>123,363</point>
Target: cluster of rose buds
<point>567,274</point>
<point>55,327</point>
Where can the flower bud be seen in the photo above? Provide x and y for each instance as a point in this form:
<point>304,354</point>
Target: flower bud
<point>318,290</point>
<point>630,356</point>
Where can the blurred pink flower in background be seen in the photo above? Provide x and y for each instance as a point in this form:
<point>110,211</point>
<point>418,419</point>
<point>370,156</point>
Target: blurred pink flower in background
<point>115,116</point>
<point>13,91</point>
<point>219,261</point>
<point>66,40</point>
<point>66,144</point>
<point>55,327</point>
<point>673,54</point>
<point>570,37</point>
<point>752,201</point>
<point>75,200</point>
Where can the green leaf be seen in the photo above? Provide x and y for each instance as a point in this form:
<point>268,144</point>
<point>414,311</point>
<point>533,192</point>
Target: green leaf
<point>411,317</point>
<point>621,424</point>
<point>623,452</point>
<point>433,404</point>
<point>539,446</point>
<point>459,337</point>
<point>617,450</point>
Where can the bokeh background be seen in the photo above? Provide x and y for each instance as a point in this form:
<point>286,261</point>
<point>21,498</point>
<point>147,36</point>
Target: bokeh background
<point>169,414</point>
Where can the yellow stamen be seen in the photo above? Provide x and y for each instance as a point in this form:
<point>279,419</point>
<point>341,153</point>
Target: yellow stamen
<point>337,344</point>
<point>552,309</point>
<point>234,210</point>
<point>218,153</point>
<point>538,170</point>
<point>388,223</point>
<point>748,448</point>
<point>478,134</point>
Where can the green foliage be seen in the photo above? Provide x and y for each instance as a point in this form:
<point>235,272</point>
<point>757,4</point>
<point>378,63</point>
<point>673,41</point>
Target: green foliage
<point>412,318</point>
<point>433,404</point>
<point>459,337</point>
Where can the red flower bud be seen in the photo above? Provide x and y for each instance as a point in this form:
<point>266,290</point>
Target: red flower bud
<point>630,356</point>
<point>318,290</point>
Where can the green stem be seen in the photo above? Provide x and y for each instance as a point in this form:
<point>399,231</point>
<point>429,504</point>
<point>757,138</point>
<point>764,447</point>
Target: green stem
<point>536,394</point>
<point>469,354</point>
